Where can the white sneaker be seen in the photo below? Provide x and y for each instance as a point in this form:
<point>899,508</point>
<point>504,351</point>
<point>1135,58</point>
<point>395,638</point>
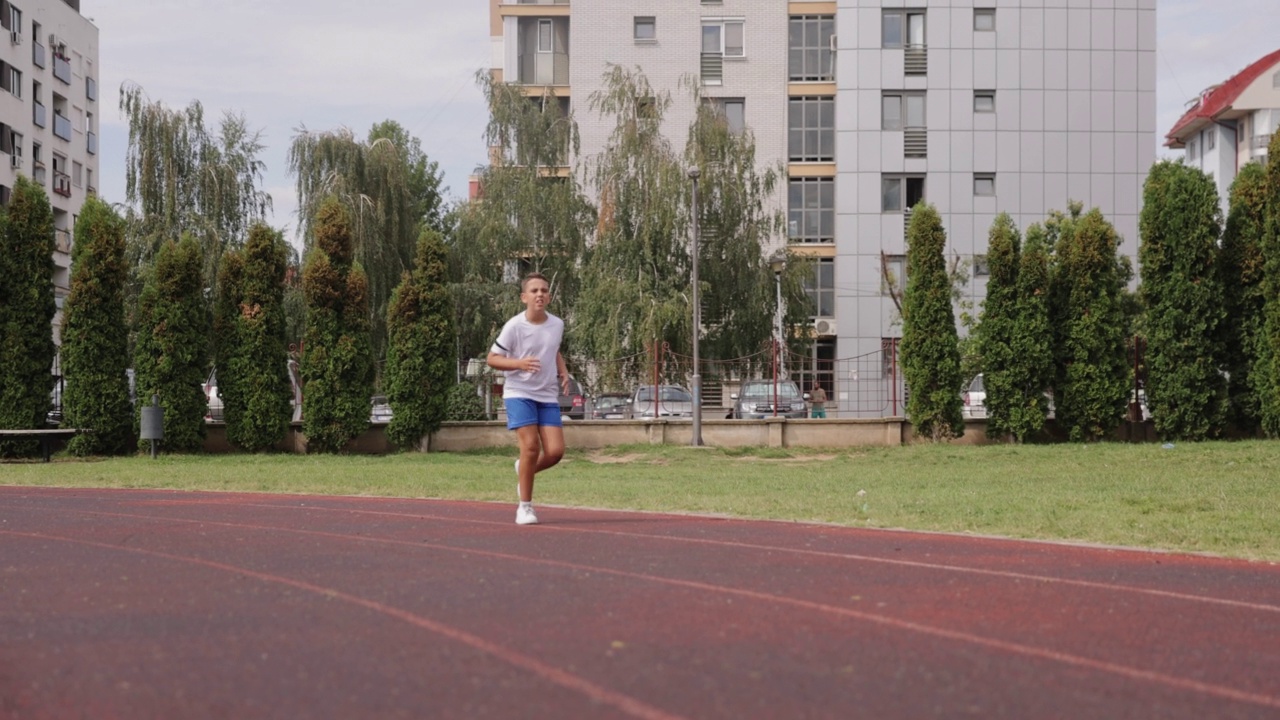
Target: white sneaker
<point>525,515</point>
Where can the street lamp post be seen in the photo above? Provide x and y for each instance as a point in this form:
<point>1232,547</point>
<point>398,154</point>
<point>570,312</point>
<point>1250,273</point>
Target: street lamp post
<point>694,173</point>
<point>778,263</point>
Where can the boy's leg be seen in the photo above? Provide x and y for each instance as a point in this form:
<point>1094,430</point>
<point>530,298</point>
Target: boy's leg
<point>530,445</point>
<point>552,446</point>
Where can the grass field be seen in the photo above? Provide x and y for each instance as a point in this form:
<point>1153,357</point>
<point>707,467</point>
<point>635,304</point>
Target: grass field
<point>1221,498</point>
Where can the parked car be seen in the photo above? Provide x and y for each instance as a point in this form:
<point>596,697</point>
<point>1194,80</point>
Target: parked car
<point>611,406</point>
<point>754,400</point>
<point>975,398</point>
<point>210,387</point>
<point>573,405</point>
<point>215,413</point>
<point>380,409</point>
<point>671,401</point>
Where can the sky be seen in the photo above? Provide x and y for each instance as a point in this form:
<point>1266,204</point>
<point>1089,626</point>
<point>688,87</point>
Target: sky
<point>323,65</point>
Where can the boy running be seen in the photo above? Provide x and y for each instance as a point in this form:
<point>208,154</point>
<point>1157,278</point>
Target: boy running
<point>528,350</point>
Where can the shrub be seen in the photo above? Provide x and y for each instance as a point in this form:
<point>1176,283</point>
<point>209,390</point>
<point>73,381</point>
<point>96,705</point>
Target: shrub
<point>464,404</point>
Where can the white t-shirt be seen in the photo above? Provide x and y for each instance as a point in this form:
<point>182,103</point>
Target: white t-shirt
<point>520,339</point>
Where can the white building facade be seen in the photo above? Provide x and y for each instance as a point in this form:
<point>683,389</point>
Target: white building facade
<point>976,106</point>
<point>1231,124</point>
<point>49,114</point>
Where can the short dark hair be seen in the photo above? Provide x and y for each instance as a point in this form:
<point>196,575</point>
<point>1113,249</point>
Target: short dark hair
<point>533,276</point>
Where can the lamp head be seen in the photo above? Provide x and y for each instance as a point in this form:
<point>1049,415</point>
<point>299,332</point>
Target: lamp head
<point>694,173</point>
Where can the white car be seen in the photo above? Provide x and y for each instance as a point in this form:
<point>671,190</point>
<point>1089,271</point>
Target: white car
<point>975,398</point>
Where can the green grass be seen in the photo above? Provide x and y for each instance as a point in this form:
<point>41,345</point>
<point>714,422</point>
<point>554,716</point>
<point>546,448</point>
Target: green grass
<point>1221,498</point>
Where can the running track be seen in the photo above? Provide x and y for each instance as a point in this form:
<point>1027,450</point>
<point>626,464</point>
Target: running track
<point>158,604</point>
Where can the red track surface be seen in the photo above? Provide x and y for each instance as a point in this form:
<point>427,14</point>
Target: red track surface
<point>155,604</point>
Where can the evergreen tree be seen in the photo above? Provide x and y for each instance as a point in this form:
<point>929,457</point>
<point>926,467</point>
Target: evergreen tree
<point>1180,222</point>
<point>258,410</point>
<point>998,327</point>
<point>337,367</point>
<point>1031,372</point>
<point>420,351</point>
<point>95,338</point>
<point>1092,384</point>
<point>27,308</point>
<point>1267,365</point>
<point>226,336</point>
<point>171,352</point>
<point>1241,271</point>
<point>930,344</point>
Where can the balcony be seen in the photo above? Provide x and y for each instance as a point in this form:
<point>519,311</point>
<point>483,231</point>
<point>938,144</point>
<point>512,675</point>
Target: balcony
<point>62,69</point>
<point>37,55</point>
<point>38,115</point>
<point>92,142</point>
<point>61,126</point>
<point>90,88</point>
<point>541,50</point>
<point>62,241</point>
<point>61,183</point>
<point>916,60</point>
<point>1259,143</point>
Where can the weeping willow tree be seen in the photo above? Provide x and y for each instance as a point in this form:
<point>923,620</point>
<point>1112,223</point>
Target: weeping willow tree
<point>182,177</point>
<point>532,216</point>
<point>389,190</point>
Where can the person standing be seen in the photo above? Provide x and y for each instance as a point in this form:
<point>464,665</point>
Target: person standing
<point>528,351</point>
<point>818,398</point>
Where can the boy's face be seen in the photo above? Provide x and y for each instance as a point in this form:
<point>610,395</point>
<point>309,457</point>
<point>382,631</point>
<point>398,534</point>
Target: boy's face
<point>536,294</point>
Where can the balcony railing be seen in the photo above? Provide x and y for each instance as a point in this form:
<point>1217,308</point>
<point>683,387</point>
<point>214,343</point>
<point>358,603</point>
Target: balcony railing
<point>62,183</point>
<point>544,68</point>
<point>90,88</point>
<point>62,240</point>
<point>62,69</point>
<point>542,2</point>
<point>92,142</point>
<point>37,54</point>
<point>38,115</point>
<point>916,61</point>
<point>1260,142</point>
<point>61,126</point>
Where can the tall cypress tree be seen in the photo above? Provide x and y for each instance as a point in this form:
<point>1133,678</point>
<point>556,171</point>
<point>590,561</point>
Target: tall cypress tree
<point>995,331</point>
<point>1241,274</point>
<point>1091,388</point>
<point>1031,372</point>
<point>226,335</point>
<point>95,338</point>
<point>258,410</point>
<point>930,343</point>
<point>337,366</point>
<point>420,351</point>
<point>1180,222</point>
<point>1268,357</point>
<point>171,353</point>
<point>27,308</point>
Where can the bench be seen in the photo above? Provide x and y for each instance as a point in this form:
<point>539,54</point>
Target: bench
<point>45,436</point>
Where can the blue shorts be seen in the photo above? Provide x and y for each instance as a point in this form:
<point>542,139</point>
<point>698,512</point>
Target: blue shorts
<point>523,411</point>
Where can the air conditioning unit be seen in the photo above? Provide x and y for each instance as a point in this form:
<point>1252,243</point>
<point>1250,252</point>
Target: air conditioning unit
<point>15,37</point>
<point>824,327</point>
<point>15,161</point>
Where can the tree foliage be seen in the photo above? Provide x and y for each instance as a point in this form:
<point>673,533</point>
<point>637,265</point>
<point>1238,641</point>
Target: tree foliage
<point>389,190</point>
<point>95,337</point>
<point>1087,292</point>
<point>27,308</point>
<point>337,366</point>
<point>253,372</point>
<point>1240,270</point>
<point>1268,353</point>
<point>171,352</point>
<point>1179,224</point>
<point>1031,370</point>
<point>930,343</point>
<point>420,351</point>
<point>998,327</point>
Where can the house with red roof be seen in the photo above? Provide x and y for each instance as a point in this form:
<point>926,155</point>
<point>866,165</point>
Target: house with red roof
<point>1231,124</point>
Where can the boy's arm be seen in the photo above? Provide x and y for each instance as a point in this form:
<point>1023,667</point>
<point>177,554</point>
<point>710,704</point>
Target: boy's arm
<point>562,372</point>
<point>502,362</point>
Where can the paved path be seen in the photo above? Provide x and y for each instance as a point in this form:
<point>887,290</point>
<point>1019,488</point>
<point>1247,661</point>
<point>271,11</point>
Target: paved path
<point>157,604</point>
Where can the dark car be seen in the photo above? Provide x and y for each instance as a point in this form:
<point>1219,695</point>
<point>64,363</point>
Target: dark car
<point>573,404</point>
<point>611,406</point>
<point>755,400</point>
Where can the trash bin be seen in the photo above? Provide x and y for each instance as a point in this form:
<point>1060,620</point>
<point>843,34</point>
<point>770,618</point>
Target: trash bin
<point>152,423</point>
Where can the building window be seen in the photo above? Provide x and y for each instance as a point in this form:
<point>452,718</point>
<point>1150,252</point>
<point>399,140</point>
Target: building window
<point>811,210</point>
<point>821,288</point>
<point>981,267</point>
<point>810,58</point>
<point>13,19</point>
<point>646,28</point>
<point>984,185</point>
<point>984,19</point>
<point>724,37</point>
<point>1275,80</point>
<point>893,274</point>
<point>77,173</point>
<point>1210,140</point>
<point>811,129</point>
<point>1191,150</point>
<point>11,79</point>
<point>901,192</point>
<point>732,110</point>
<point>901,111</point>
<point>902,28</point>
<point>984,101</point>
<point>545,42</point>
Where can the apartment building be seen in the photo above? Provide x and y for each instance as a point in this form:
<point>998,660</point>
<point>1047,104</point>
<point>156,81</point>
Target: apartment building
<point>49,114</point>
<point>1231,124</point>
<point>976,106</point>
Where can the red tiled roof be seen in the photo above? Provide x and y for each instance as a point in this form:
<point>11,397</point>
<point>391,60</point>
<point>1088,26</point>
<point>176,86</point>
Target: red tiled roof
<point>1220,98</point>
